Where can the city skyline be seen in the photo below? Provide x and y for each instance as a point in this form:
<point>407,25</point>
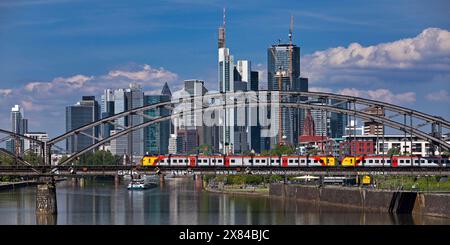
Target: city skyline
<point>369,73</point>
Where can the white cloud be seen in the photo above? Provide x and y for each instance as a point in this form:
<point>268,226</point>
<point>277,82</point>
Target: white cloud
<point>5,92</point>
<point>41,99</point>
<point>147,75</point>
<point>381,95</point>
<point>430,50</point>
<point>441,95</point>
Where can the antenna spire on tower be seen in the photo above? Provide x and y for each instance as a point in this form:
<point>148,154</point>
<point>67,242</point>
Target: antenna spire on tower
<point>291,27</point>
<point>224,18</point>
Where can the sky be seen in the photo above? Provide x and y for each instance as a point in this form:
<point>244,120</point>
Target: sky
<point>54,51</point>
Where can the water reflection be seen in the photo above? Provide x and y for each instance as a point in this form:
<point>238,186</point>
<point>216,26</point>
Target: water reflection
<point>180,201</point>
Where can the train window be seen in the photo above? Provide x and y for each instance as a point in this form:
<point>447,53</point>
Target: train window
<point>272,161</point>
<point>406,161</point>
<point>402,161</point>
<point>232,161</point>
<point>290,161</point>
<point>219,161</point>
<point>296,161</point>
<point>302,161</point>
<point>422,161</point>
<point>257,161</point>
<point>315,161</point>
<point>213,160</point>
<point>250,160</point>
<point>377,161</point>
<point>277,161</point>
<point>263,160</point>
<point>416,161</point>
<point>185,160</point>
<point>388,161</point>
<point>370,161</point>
<point>435,161</point>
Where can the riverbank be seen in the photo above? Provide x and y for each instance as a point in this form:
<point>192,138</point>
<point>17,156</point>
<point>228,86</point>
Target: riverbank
<point>14,185</point>
<point>370,200</point>
<point>235,190</point>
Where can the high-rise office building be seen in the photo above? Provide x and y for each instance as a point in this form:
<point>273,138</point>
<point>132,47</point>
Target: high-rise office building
<point>226,84</point>
<point>156,136</point>
<point>19,125</point>
<point>107,110</point>
<point>326,123</point>
<point>374,128</point>
<point>127,99</point>
<point>84,112</point>
<point>32,146</point>
<point>283,74</point>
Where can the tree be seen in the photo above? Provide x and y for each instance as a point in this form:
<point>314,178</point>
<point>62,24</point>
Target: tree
<point>279,150</point>
<point>33,158</point>
<point>205,149</point>
<point>6,160</point>
<point>100,157</point>
<point>393,151</point>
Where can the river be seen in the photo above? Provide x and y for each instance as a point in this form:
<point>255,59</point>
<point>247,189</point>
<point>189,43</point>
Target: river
<point>181,202</point>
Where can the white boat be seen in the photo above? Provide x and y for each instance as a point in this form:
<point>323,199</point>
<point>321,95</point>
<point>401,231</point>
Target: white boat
<point>140,184</point>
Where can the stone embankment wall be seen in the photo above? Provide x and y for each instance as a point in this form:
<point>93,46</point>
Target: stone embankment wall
<point>368,199</point>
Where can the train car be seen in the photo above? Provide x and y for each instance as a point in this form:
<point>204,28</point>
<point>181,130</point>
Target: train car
<point>233,161</point>
<point>217,161</point>
<point>376,161</point>
<point>150,160</point>
<point>352,161</point>
<point>274,161</point>
<point>256,161</point>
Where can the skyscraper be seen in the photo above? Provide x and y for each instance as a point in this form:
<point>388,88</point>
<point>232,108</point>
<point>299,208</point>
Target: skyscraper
<point>107,110</point>
<point>84,112</point>
<point>156,136</point>
<point>283,74</point>
<point>19,125</point>
<point>226,84</point>
<point>127,99</point>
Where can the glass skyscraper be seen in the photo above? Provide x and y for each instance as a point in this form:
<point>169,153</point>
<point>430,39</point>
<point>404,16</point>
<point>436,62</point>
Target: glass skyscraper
<point>80,114</point>
<point>283,74</point>
<point>156,136</point>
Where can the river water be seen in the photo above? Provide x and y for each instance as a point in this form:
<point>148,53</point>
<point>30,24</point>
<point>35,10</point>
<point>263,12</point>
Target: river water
<point>182,202</point>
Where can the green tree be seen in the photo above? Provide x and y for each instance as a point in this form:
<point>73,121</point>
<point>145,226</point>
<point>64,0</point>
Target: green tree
<point>33,158</point>
<point>6,160</point>
<point>279,150</point>
<point>100,157</point>
<point>394,151</point>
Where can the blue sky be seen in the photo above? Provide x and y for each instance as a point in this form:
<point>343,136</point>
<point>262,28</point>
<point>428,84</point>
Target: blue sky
<point>50,47</point>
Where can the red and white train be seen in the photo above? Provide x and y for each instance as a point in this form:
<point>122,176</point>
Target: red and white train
<point>296,161</point>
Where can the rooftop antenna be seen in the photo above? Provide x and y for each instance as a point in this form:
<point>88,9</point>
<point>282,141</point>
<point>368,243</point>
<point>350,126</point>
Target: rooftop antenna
<point>291,27</point>
<point>224,25</point>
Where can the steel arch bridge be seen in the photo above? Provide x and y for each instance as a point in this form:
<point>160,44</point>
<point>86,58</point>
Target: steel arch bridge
<point>355,106</point>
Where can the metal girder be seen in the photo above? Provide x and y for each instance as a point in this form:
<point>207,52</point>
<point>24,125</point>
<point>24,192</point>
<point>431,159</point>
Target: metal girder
<point>362,115</point>
<point>15,135</point>
<point>19,160</point>
<point>395,108</point>
<point>117,125</point>
<point>146,116</point>
<point>90,136</point>
<point>421,125</point>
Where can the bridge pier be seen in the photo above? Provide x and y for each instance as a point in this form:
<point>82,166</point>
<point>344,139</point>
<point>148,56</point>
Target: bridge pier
<point>116,180</point>
<point>46,197</point>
